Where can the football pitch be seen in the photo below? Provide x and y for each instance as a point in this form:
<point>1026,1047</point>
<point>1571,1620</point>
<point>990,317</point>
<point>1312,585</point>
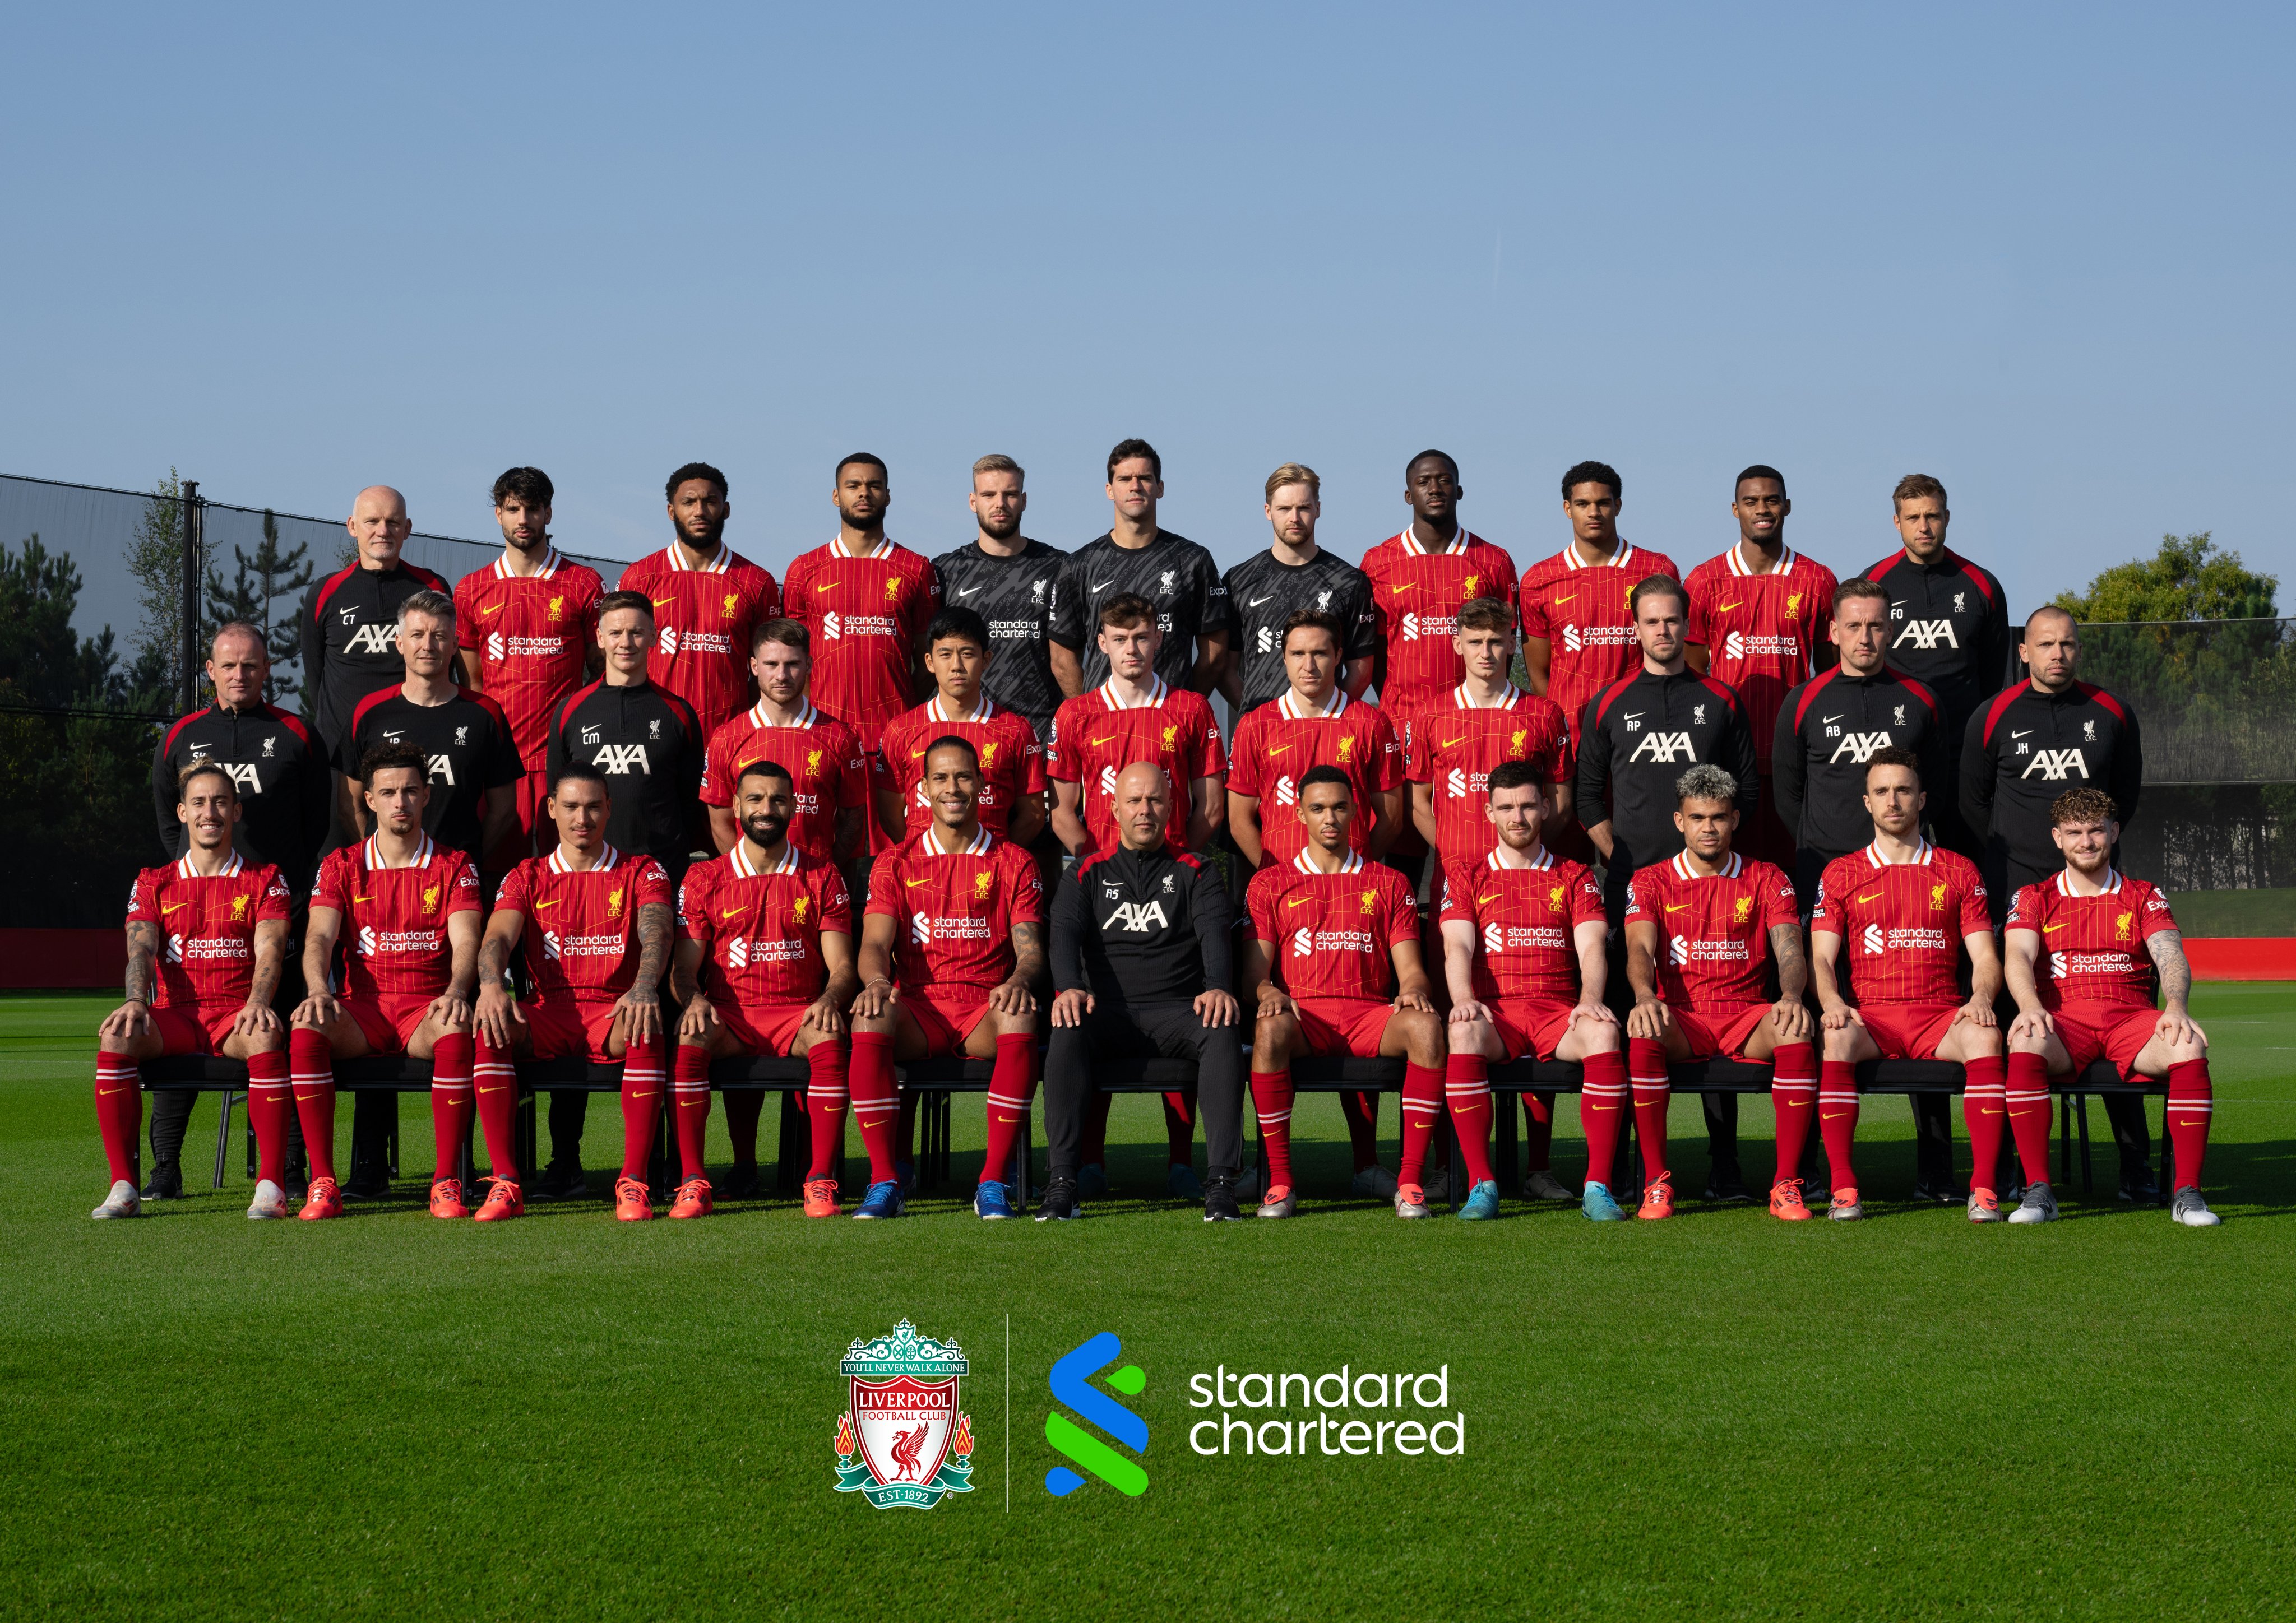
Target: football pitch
<point>1718,1416</point>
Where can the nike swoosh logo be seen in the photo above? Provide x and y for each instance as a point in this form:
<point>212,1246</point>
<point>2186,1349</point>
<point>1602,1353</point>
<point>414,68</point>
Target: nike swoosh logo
<point>1635,715</point>
<point>663,603</point>
<point>1256,602</point>
<point>300,1098</point>
<point>2026,734</point>
<point>1989,1112</point>
<point>1485,901</point>
<point>2050,930</point>
<point>1102,585</point>
<point>171,907</point>
<point>913,883</point>
<point>968,591</point>
<point>362,898</point>
<point>106,1092</point>
<point>731,913</point>
<point>490,609</point>
<point>1406,587</point>
<point>499,1088</point>
<point>1834,717</point>
<point>1725,607</point>
<point>644,1095</point>
<point>1098,742</point>
<point>1279,750</point>
<point>393,737</point>
<point>1834,1115</point>
<point>1876,896</point>
<point>1453,743</point>
<point>1299,901</point>
<point>538,906</point>
<point>1675,906</point>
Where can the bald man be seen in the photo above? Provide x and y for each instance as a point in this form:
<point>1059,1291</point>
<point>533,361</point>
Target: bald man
<point>1141,965</point>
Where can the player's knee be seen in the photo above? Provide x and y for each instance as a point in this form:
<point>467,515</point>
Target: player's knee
<point>1468,1037</point>
<point>1983,1042</point>
<point>1841,1045</point>
<point>1422,1038</point>
<point>2028,1042</point>
<point>1599,1037</point>
<point>2187,1052</point>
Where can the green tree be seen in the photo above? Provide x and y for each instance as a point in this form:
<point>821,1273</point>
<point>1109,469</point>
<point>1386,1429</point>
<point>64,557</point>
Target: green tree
<point>257,585</point>
<point>2190,578</point>
<point>155,558</point>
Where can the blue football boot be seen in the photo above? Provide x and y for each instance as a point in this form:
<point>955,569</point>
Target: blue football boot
<point>990,1201</point>
<point>1482,1201</point>
<point>881,1201</point>
<point>1599,1207</point>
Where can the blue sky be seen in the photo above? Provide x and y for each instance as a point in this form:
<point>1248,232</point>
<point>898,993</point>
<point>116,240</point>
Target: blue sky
<point>2041,253</point>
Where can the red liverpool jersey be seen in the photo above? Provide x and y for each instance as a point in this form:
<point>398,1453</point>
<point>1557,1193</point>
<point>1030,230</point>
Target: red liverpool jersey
<point>394,920</point>
<point>1275,746</point>
<point>958,908</point>
<point>760,928</point>
<point>1585,612</point>
<point>1333,935</point>
<point>703,619</point>
<point>581,935</point>
<point>1761,632</point>
<point>1525,920</point>
<point>1416,596</point>
<point>1713,932</point>
<point>1451,747</point>
<point>207,925</point>
<point>1901,924</point>
<point>1012,762</point>
<point>528,635</point>
<point>865,615</point>
<point>1096,736</point>
<point>824,757</point>
<point>2092,946</point>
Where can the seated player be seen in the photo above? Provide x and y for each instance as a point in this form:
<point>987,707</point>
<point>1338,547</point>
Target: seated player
<point>206,938</point>
<point>958,915</point>
<point>1011,805</point>
<point>595,957</point>
<point>1526,951</point>
<point>2096,1000</point>
<point>1898,916</point>
<point>1701,928</point>
<point>406,912</point>
<point>774,926</point>
<point>1334,968</point>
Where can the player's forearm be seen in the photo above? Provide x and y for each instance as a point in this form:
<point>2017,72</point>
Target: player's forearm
<point>1354,680</point>
<point>1642,972</point>
<point>685,976</point>
<point>1696,655</point>
<point>2176,971</point>
<point>1067,669</point>
<point>270,963</point>
<point>2017,972</point>
<point>1069,829</point>
<point>1028,820</point>
<point>1208,812</point>
<point>1594,972</point>
<point>1984,979</point>
<point>318,957</point>
<point>653,947</point>
<point>723,832</point>
<point>892,816</point>
<point>1825,952</point>
<point>1423,811</point>
<point>1389,828</point>
<point>493,958</point>
<point>1028,953</point>
<point>1600,835</point>
<point>1211,656</point>
<point>473,674</point>
<point>1538,662</point>
<point>1243,827</point>
<point>1793,964</point>
<point>1459,964</point>
<point>462,968</point>
<point>142,985</point>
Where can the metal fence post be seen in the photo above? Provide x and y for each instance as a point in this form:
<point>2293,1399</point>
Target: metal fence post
<point>194,527</point>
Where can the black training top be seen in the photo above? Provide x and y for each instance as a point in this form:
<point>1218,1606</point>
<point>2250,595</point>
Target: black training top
<point>349,624</point>
<point>1828,729</point>
<point>285,792</point>
<point>2027,748</point>
<point>469,743</point>
<point>1171,572</point>
<point>1142,927</point>
<point>648,742</point>
<point>1262,592</point>
<point>1016,596</point>
<point>1636,737</point>
<point>1949,631</point>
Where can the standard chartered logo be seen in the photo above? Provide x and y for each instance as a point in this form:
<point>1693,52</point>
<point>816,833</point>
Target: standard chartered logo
<point>1072,1384</point>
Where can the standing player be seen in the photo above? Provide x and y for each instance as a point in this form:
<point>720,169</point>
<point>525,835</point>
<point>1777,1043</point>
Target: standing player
<point>958,915</point>
<point>527,628</point>
<point>1012,583</point>
<point>957,657</point>
<point>774,926</point>
<point>1701,927</point>
<point>825,756</point>
<point>1314,724</point>
<point>1526,951</point>
<point>1294,573</point>
<point>206,938</point>
<point>1137,558</point>
<point>1760,618</point>
<point>645,739</point>
<point>1419,577</point>
<point>406,912</point>
<point>2098,1000</point>
<point>867,603</point>
<point>706,597</point>
<point>1342,977</point>
<point>348,620</point>
<point>1135,715</point>
<point>1898,917</point>
<point>595,956</point>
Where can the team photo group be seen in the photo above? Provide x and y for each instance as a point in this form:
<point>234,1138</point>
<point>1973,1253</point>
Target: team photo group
<point>886,809</point>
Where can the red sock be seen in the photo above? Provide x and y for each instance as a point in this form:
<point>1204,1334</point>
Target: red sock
<point>690,1097</point>
<point>1361,1111</point>
<point>825,1106</point>
<point>1983,1099</point>
<point>2191,1101</point>
<point>642,1085</point>
<point>118,1111</point>
<point>874,1100</point>
<point>1537,1131</point>
<point>270,1107</point>
<point>1793,1094</point>
<point>1467,1090</point>
<point>1423,1106</point>
<point>1093,1151</point>
<point>1011,1085</point>
<point>311,1071</point>
<point>495,1076</point>
<point>742,1110</point>
<point>2028,1090</point>
<point>1603,1111</point>
<point>1647,1074</point>
<point>1837,1119</point>
<point>450,1102</point>
<point>1271,1101</point>
<point>1180,1126</point>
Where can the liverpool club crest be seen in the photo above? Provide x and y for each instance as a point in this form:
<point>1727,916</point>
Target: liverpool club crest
<point>904,1439</point>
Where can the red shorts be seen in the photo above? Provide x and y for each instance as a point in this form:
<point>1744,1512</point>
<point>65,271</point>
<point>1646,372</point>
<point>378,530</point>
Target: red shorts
<point>946,1015</point>
<point>1535,1029</point>
<point>198,1027</point>
<point>388,1019</point>
<point>1908,1031</point>
<point>763,1027</point>
<point>570,1030</point>
<point>2093,1032</point>
<point>1721,1029</point>
<point>1343,1025</point>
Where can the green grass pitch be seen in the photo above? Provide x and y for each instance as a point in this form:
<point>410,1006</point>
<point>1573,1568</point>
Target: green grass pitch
<point>388,1417</point>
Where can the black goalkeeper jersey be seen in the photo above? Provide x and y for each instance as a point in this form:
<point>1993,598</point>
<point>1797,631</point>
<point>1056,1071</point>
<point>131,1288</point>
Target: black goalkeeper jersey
<point>1017,597</point>
<point>1262,592</point>
<point>1171,572</point>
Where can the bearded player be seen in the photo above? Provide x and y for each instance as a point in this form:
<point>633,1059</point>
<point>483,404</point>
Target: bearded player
<point>1419,577</point>
<point>773,927</point>
<point>831,781</point>
<point>1526,952</point>
<point>1334,968</point>
<point>706,597</point>
<point>1701,928</point>
<point>593,926</point>
<point>1898,916</point>
<point>958,915</point>
<point>207,939</point>
<point>867,602</point>
<point>957,655</point>
<point>2083,926</point>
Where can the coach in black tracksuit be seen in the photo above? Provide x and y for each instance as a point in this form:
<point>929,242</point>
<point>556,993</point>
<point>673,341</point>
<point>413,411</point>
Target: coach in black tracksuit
<point>1142,965</point>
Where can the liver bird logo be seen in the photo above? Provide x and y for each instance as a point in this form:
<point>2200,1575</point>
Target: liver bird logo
<point>1520,743</point>
<point>981,885</point>
<point>2120,924</point>
<point>1793,604</point>
<point>1171,738</point>
<point>989,755</point>
<point>1369,900</point>
<point>906,1446</point>
<point>797,910</point>
<point>1937,898</point>
<point>430,899</point>
<point>557,608</point>
<point>613,903</point>
<point>813,763</point>
<point>1347,751</point>
<point>731,606</point>
<point>1743,911</point>
<point>239,912</point>
<point>1470,591</point>
<point>1556,897</point>
<point>893,589</point>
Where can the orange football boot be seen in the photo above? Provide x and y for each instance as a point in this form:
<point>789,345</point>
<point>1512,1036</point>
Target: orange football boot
<point>1785,1200</point>
<point>632,1203</point>
<point>821,1197</point>
<point>324,1200</point>
<point>1658,1199</point>
<point>693,1199</point>
<point>446,1199</point>
<point>505,1200</point>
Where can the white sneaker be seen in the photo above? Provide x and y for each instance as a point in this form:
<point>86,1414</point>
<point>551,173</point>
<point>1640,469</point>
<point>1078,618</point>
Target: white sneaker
<point>2039,1205</point>
<point>2185,1206</point>
<point>1247,1187</point>
<point>1541,1186</point>
<point>123,1202</point>
<point>270,1201</point>
<point>1376,1182</point>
